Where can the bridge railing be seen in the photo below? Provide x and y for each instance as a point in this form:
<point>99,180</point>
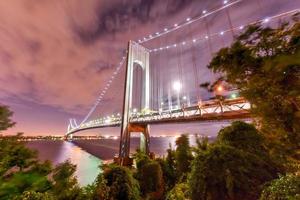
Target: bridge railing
<point>202,109</point>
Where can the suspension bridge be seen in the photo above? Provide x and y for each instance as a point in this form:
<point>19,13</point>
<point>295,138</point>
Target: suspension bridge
<point>163,72</point>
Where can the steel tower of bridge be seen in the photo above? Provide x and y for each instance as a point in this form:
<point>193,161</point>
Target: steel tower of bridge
<point>137,55</point>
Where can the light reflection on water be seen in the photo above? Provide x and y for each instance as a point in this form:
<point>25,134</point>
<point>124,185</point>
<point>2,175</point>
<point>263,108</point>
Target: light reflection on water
<point>87,164</point>
<point>59,151</point>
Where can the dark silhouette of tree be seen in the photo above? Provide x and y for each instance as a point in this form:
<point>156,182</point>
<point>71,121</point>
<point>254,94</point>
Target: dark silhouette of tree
<point>228,170</point>
<point>264,65</point>
<point>120,183</point>
<point>5,118</point>
<point>183,156</point>
<point>65,183</point>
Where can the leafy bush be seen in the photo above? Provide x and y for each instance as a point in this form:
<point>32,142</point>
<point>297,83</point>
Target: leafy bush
<point>284,188</point>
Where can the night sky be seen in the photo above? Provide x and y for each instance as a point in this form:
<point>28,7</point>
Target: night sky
<point>57,55</point>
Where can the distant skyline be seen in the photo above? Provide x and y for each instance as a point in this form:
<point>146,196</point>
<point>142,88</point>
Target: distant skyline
<point>56,56</point>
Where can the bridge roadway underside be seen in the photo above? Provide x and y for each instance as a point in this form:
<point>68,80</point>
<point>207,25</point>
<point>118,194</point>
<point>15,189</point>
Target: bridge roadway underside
<point>225,116</point>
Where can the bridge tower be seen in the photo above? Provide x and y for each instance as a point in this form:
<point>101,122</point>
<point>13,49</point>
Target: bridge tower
<point>137,55</point>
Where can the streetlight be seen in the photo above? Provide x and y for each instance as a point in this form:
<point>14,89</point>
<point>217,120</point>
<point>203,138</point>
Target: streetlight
<point>177,86</point>
<point>184,97</point>
<point>233,96</point>
<point>220,88</point>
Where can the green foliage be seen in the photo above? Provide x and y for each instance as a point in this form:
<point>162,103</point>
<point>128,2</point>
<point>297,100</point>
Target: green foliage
<point>65,185</point>
<point>15,153</point>
<point>20,181</point>
<point>228,170</point>
<point>121,183</point>
<point>98,190</point>
<point>263,63</point>
<point>5,118</point>
<point>242,136</point>
<point>168,167</point>
<point>151,180</point>
<point>179,192</point>
<point>183,156</point>
<point>31,195</point>
<point>150,176</point>
<point>284,188</point>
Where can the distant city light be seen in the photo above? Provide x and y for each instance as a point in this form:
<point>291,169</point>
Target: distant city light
<point>225,2</point>
<point>175,25</point>
<point>188,19</point>
<point>184,97</point>
<point>165,29</point>
<point>204,12</point>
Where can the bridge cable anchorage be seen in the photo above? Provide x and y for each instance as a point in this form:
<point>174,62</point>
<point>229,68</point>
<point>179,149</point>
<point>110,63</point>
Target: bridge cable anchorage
<point>188,21</point>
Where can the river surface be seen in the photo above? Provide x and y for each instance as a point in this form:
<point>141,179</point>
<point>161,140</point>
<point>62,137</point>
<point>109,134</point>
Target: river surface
<point>88,155</point>
<point>59,151</point>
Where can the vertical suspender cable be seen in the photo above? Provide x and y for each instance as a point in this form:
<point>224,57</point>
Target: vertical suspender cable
<point>195,70</point>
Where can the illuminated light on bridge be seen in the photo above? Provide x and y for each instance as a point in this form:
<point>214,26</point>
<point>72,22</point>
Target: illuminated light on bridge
<point>220,88</point>
<point>266,20</point>
<point>233,96</point>
<point>177,86</point>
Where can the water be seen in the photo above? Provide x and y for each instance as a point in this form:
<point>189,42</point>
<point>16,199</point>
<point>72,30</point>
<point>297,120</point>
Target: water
<point>89,154</point>
<point>59,151</point>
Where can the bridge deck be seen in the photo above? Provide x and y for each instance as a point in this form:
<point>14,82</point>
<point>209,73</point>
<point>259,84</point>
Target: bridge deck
<point>206,111</point>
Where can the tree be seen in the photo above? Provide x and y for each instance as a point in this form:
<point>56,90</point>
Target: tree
<point>263,64</point>
<point>230,168</point>
<point>121,183</point>
<point>242,136</point>
<point>183,155</point>
<point>151,180</point>
<point>179,192</point>
<point>168,166</point>
<point>5,118</point>
<point>150,176</point>
<point>285,187</point>
<point>65,185</point>
<point>31,195</point>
